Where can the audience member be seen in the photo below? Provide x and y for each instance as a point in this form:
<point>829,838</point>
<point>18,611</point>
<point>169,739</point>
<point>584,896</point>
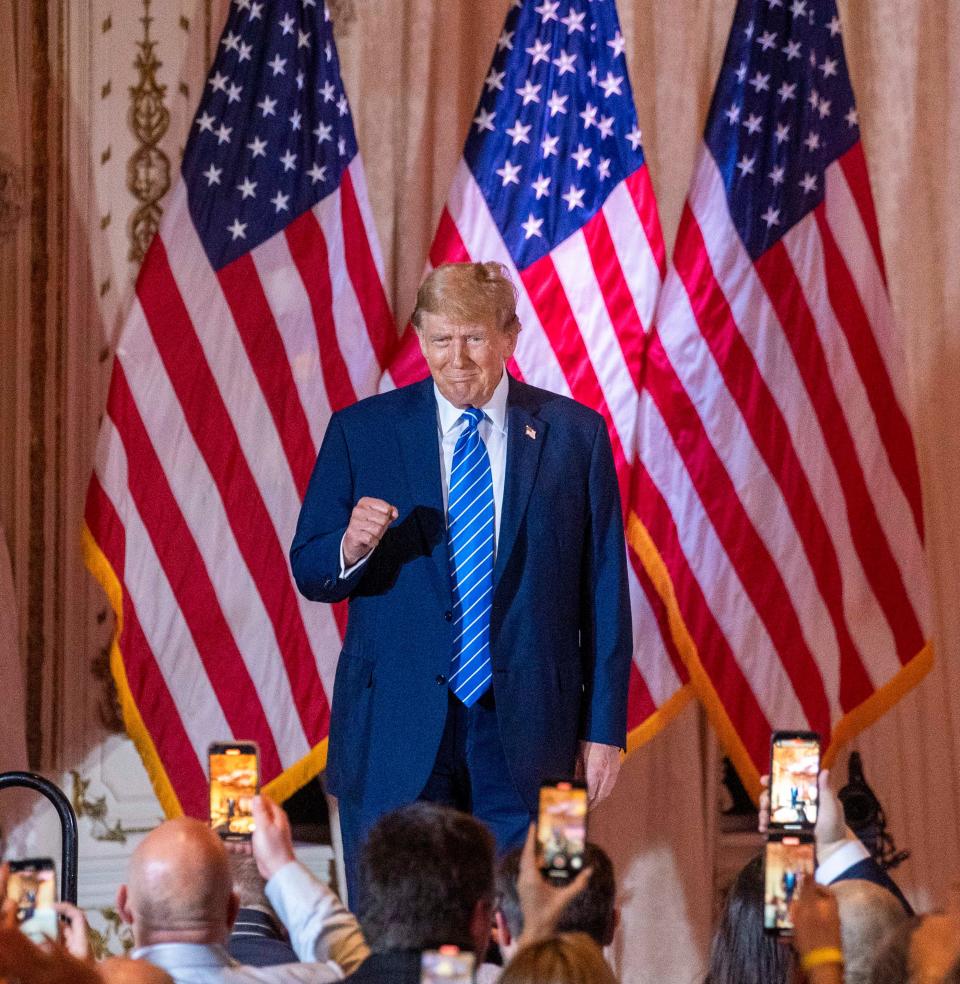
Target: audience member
<point>180,902</point>
<point>841,855</point>
<point>891,964</point>
<point>921,950</point>
<point>125,970</point>
<point>593,911</point>
<point>741,953</point>
<point>867,914</point>
<point>22,961</point>
<point>568,958</point>
<point>953,974</point>
<point>816,934</point>
<point>427,880</point>
<point>257,938</point>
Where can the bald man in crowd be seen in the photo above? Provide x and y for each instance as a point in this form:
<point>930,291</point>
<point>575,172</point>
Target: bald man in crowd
<point>180,902</point>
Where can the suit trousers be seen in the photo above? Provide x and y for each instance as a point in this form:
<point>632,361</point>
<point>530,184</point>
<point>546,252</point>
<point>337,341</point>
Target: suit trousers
<point>470,773</point>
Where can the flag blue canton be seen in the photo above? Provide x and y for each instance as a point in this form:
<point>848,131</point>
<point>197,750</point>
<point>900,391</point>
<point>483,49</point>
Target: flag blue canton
<point>782,112</point>
<point>556,128</point>
<point>273,133</point>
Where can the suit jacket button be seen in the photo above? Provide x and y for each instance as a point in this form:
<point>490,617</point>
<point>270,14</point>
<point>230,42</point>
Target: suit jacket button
<point>448,615</point>
<point>441,679</point>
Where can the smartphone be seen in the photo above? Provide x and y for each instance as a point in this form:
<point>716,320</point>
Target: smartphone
<point>794,768</point>
<point>562,829</point>
<point>448,965</point>
<point>234,781</point>
<point>33,887</point>
<point>787,861</point>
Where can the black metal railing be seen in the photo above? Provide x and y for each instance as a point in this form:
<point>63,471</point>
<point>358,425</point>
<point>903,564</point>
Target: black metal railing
<point>68,825</point>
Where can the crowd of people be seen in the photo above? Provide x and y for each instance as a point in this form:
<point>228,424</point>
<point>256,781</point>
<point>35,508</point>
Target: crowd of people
<point>429,879</point>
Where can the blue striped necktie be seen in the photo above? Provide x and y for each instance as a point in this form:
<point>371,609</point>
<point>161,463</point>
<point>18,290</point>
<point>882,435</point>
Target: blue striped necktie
<point>470,531</point>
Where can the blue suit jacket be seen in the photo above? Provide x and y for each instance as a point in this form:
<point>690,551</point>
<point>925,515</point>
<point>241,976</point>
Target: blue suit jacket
<point>560,622</point>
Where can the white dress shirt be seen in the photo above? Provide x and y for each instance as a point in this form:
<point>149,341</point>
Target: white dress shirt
<point>493,430</point>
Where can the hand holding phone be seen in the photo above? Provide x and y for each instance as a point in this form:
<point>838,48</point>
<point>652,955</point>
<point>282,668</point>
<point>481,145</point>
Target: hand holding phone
<point>234,781</point>
<point>562,829</point>
<point>542,900</point>
<point>787,862</point>
<point>794,771</point>
<point>272,840</point>
<point>816,918</point>
<point>32,887</point>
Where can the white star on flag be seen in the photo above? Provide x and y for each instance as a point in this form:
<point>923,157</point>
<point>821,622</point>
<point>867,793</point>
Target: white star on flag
<point>509,173</point>
<point>532,226</point>
<point>771,216</point>
<point>518,133</point>
<point>611,84</point>
<point>556,103</point>
<point>540,51</point>
<point>542,186</point>
<point>574,198</point>
<point>548,10</point>
<point>565,63</point>
<point>484,121</point>
<point>529,92</point>
<point>582,156</point>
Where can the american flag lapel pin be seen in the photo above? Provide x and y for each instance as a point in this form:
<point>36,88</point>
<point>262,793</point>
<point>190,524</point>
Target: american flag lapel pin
<point>530,432</point>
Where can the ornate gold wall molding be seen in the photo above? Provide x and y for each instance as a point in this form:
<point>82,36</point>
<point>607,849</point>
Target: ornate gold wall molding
<point>148,169</point>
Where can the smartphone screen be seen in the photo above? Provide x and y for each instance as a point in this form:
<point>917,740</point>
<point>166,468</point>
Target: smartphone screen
<point>234,781</point>
<point>787,861</point>
<point>794,767</point>
<point>448,965</point>
<point>33,887</point>
<point>562,829</point>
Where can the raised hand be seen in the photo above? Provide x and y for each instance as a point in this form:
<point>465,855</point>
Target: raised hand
<point>369,520</point>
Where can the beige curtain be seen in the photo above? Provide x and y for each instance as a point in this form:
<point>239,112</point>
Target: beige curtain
<point>413,72</point>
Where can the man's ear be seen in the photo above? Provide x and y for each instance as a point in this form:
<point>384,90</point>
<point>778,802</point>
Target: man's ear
<point>480,927</point>
<point>614,925</point>
<point>503,930</point>
<point>233,907</point>
<point>123,905</point>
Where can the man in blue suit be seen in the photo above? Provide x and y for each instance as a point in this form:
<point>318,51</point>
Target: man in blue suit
<point>474,524</point>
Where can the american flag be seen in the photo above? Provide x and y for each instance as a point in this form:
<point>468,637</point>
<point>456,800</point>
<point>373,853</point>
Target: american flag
<point>259,310</point>
<point>779,501</point>
<point>553,184</point>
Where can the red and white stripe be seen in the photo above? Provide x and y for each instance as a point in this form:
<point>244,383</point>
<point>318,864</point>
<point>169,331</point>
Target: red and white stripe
<point>222,387</point>
<point>584,310</point>
<point>777,472</point>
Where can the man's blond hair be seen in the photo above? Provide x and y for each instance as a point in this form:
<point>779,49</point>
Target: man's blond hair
<point>469,294</point>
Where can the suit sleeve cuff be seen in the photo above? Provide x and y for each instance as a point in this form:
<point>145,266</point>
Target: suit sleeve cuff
<point>844,858</point>
<point>345,571</point>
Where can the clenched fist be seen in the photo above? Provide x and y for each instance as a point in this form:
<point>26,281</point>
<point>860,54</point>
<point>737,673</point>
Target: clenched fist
<point>368,522</point>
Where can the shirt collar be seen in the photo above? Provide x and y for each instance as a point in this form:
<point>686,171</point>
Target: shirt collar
<point>496,409</point>
<point>172,956</point>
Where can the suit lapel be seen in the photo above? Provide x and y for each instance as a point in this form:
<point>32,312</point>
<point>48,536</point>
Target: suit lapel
<point>525,436</point>
<point>417,436</point>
